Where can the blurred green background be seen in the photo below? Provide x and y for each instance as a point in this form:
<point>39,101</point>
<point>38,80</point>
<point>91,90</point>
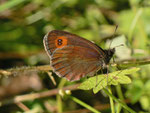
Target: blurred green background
<point>23,24</point>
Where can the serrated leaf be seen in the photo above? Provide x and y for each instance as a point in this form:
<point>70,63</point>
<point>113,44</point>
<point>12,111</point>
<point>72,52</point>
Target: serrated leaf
<point>124,79</point>
<point>101,81</point>
<point>88,84</point>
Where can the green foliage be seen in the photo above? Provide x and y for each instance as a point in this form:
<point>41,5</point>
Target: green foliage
<point>10,4</point>
<point>23,24</point>
<point>140,91</point>
<point>101,81</point>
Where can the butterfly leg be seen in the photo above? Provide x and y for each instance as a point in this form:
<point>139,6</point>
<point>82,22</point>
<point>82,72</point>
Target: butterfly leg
<point>97,83</point>
<point>107,73</point>
<point>96,79</point>
<point>114,77</point>
<point>114,62</point>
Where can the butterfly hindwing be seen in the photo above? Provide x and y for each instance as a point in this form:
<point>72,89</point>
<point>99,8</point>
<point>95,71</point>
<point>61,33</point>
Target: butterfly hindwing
<point>68,62</point>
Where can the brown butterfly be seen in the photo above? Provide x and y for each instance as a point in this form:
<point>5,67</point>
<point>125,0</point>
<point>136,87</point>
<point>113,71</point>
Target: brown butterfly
<point>74,57</point>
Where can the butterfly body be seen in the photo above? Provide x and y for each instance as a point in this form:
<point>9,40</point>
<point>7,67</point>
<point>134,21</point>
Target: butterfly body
<point>74,57</point>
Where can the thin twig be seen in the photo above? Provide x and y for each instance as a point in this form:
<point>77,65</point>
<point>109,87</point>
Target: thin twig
<point>33,96</point>
<point>51,77</point>
<point>22,106</point>
<point>122,64</point>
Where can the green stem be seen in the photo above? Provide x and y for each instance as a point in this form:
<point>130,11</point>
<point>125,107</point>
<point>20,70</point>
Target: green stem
<point>84,104</point>
<point>120,102</point>
<point>132,64</point>
<point>138,12</point>
<point>118,108</point>
<point>119,92</point>
<point>134,22</point>
<point>120,95</point>
<point>59,100</point>
<point>111,100</point>
<point>59,103</point>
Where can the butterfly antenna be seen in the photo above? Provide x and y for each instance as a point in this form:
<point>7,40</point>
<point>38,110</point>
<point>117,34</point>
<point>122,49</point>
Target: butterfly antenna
<point>119,45</point>
<point>113,35</point>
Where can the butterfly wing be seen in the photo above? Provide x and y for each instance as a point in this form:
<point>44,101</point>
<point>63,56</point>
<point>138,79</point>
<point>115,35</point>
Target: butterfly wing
<point>68,62</point>
<point>71,56</point>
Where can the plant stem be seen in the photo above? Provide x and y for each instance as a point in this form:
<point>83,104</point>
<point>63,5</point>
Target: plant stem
<point>120,102</point>
<point>138,13</point>
<point>84,104</point>
<point>111,100</point>
<point>134,22</point>
<point>59,101</point>
<point>32,96</point>
<point>118,108</point>
<point>120,95</point>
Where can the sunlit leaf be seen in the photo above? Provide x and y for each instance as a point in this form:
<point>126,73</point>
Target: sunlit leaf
<point>101,81</point>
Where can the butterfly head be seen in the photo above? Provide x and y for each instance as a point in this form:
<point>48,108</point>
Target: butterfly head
<point>109,54</point>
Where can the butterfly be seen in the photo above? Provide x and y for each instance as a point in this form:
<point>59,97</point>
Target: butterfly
<point>74,57</point>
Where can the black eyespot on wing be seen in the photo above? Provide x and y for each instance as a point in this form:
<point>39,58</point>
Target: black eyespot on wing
<point>59,40</point>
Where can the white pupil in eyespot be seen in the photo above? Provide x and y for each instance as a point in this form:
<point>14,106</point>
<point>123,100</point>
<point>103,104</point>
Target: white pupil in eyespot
<point>59,41</point>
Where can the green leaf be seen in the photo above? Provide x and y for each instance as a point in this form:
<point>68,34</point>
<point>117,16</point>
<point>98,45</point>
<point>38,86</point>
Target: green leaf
<point>101,81</point>
<point>10,4</point>
<point>135,91</point>
<point>144,101</point>
<point>124,79</point>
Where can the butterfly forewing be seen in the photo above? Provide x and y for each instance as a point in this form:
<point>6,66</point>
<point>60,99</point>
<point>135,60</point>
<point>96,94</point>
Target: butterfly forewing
<point>51,41</point>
